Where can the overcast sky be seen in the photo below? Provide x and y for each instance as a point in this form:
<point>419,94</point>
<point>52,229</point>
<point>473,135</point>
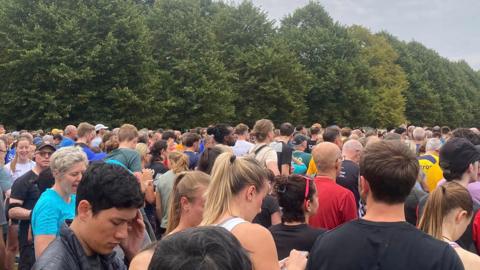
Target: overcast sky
<point>450,27</point>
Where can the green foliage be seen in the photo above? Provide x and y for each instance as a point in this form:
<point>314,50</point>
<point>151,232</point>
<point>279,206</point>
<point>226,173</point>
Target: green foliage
<point>185,63</point>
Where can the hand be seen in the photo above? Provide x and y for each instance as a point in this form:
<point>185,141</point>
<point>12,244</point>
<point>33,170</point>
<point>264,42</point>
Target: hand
<point>136,232</point>
<point>296,261</point>
<point>146,179</point>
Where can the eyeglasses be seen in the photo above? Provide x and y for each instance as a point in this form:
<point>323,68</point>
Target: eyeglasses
<point>45,154</point>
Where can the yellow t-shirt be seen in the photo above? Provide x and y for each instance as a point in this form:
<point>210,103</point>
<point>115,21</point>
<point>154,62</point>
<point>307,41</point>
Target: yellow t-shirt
<point>431,167</point>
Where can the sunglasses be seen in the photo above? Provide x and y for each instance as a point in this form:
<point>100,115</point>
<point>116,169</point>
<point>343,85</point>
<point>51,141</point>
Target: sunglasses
<point>307,187</point>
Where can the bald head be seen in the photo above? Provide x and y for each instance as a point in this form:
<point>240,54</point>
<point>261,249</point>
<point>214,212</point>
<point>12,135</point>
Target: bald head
<point>352,150</point>
<point>327,156</point>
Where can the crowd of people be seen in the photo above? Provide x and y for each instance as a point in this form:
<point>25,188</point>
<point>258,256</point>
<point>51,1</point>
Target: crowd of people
<point>231,197</point>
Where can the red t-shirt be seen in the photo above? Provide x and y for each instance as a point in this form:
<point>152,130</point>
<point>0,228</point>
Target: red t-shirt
<point>476,231</point>
<point>336,204</point>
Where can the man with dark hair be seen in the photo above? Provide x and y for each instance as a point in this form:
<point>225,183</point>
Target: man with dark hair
<point>333,135</point>
<point>284,152</point>
<point>314,134</point>
<point>86,133</point>
<point>382,239</point>
<point>171,139</point>
<point>191,143</point>
<point>107,215</point>
<point>200,248</point>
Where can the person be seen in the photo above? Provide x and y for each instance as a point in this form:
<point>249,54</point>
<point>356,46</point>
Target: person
<point>270,210</point>
<point>24,195</point>
<point>22,162</point>
<point>159,157</point>
<point>69,136</point>
<point>125,155</point>
<point>208,157</point>
<point>417,140</point>
<point>284,151</point>
<point>242,144</point>
<point>332,134</point>
<point>85,135</point>
<point>164,185</point>
<point>350,171</point>
<point>262,152</point>
<point>100,130</point>
<point>187,201</point>
<point>222,134</point>
<point>314,137</point>
<point>337,204</point>
<point>234,198</point>
<point>448,213</point>
<point>298,198</point>
<point>430,163</point>
<point>105,219</point>
<point>200,248</point>
<point>5,185</point>
<point>57,204</point>
<point>299,143</point>
<point>191,143</point>
<point>382,239</point>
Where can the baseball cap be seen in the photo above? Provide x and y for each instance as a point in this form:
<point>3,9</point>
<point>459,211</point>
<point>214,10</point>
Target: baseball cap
<point>46,145</point>
<point>100,126</point>
<point>56,131</point>
<point>299,139</point>
<point>456,155</point>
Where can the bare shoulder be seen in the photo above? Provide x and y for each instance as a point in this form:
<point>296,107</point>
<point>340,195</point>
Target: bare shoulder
<point>252,234</point>
<point>141,261</point>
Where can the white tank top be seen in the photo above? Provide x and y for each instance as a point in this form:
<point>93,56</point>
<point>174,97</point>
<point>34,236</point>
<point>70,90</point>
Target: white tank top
<point>231,223</point>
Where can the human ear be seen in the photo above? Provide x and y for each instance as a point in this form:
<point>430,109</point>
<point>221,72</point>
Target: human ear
<point>250,193</point>
<point>84,210</point>
<point>460,216</point>
<point>363,187</point>
<point>184,203</point>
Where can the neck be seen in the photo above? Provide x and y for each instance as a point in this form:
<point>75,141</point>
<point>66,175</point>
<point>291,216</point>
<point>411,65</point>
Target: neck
<point>284,139</point>
<point>241,138</point>
<point>124,145</point>
<point>82,140</point>
<point>464,181</point>
<point>65,196</point>
<point>332,175</point>
<point>191,149</point>
<point>37,169</point>
<point>22,160</point>
<point>76,229</point>
<point>382,212</point>
<point>236,211</point>
<point>447,232</point>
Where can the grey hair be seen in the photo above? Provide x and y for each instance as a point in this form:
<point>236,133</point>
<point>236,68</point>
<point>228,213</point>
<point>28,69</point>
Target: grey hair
<point>65,158</point>
<point>352,145</point>
<point>419,134</point>
<point>433,144</point>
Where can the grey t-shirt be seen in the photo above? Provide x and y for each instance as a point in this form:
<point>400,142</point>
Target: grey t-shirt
<point>128,157</point>
<point>164,186</point>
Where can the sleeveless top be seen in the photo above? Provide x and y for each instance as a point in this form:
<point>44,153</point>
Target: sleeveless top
<point>452,244</point>
<point>231,223</point>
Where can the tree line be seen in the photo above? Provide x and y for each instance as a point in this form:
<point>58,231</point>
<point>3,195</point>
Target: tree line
<point>187,63</point>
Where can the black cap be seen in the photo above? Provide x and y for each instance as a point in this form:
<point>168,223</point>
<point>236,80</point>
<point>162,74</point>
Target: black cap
<point>46,144</point>
<point>299,139</point>
<point>456,155</point>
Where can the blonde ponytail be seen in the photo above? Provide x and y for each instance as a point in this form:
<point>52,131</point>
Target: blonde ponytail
<point>229,176</point>
<point>178,162</point>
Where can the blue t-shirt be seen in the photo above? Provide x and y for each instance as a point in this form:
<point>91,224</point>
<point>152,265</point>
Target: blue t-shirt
<point>66,142</point>
<point>50,213</point>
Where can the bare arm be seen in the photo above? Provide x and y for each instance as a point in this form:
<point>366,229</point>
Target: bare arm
<point>285,169</point>
<point>41,243</point>
<point>272,166</point>
<point>18,212</point>
<point>158,205</point>
<point>276,218</point>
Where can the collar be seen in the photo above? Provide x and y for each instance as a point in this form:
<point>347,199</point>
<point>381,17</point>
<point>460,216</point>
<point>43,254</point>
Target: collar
<point>324,178</point>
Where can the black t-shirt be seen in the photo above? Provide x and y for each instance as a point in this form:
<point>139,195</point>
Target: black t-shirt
<point>300,237</point>
<point>310,145</point>
<point>348,178</point>
<point>411,205</point>
<point>366,245</point>
<point>158,168</point>
<point>26,189</point>
<point>284,154</point>
<point>269,206</point>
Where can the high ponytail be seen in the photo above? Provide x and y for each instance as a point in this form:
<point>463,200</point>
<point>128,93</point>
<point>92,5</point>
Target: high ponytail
<point>186,185</point>
<point>229,176</point>
<point>441,201</point>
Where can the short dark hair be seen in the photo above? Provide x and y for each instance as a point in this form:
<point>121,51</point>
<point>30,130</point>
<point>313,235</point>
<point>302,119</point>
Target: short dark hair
<point>219,131</point>
<point>445,130</point>
<point>286,129</point>
<point>168,134</point>
<point>202,248</point>
<point>314,130</point>
<point>290,191</point>
<point>299,127</point>
<point>467,134</point>
<point>331,134</point>
<point>207,159</point>
<point>107,186</point>
<point>188,139</point>
<point>156,150</point>
<point>390,169</point>
<point>57,137</point>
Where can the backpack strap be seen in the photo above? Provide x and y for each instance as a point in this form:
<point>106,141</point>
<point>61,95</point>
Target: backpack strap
<point>259,149</point>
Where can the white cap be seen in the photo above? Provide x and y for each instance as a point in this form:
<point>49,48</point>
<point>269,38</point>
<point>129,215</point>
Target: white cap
<point>99,127</point>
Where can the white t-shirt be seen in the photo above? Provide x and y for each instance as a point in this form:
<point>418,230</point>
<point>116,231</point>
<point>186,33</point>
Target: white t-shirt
<point>20,169</point>
<point>265,155</point>
<point>241,148</point>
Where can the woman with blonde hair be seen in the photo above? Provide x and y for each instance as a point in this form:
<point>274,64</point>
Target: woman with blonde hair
<point>234,198</point>
<point>22,162</point>
<point>447,214</point>
<point>164,185</point>
<point>187,201</point>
